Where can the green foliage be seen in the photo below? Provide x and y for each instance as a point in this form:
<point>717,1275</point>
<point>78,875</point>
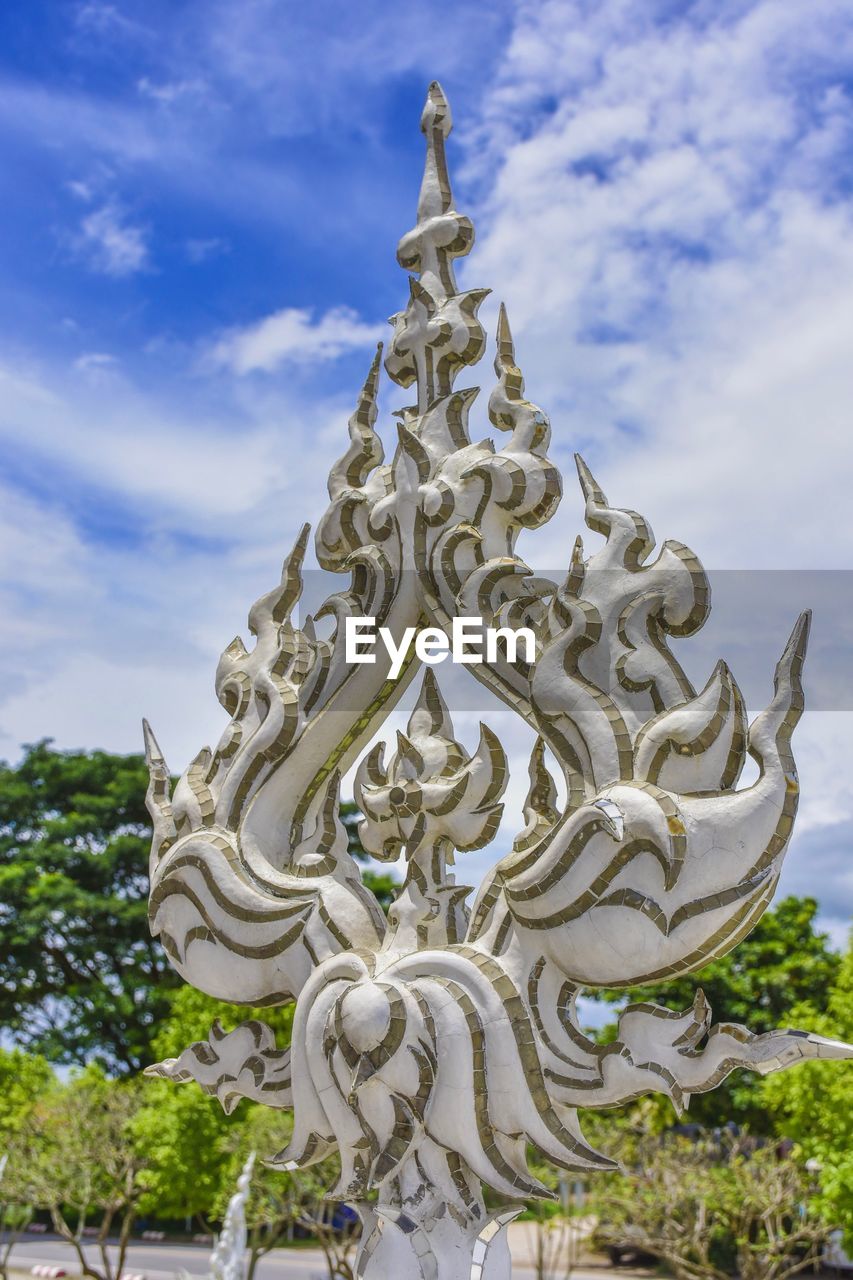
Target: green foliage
<point>181,1130</point>
<point>190,1015</point>
<point>24,1082</point>
<point>784,962</point>
<point>75,1157</point>
<point>96,1151</point>
<point>264,1131</point>
<point>80,976</point>
<point>24,1079</point>
<point>186,1134</point>
<point>813,1104</point>
<point>281,1202</point>
<point>195,1152</point>
<point>383,885</point>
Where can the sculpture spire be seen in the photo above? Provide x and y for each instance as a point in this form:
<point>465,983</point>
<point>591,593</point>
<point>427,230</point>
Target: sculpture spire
<point>438,332</point>
<point>436,123</point>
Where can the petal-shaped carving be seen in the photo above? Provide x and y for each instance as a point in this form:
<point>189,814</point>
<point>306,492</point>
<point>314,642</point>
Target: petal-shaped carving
<point>254,943</point>
<point>406,1058</point>
<point>659,1051</point>
<point>699,745</point>
<point>540,806</point>
<point>639,603</point>
<point>243,1063</point>
<point>678,881</point>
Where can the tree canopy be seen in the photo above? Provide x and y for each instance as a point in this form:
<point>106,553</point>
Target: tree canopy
<point>81,978</point>
<point>813,1105</point>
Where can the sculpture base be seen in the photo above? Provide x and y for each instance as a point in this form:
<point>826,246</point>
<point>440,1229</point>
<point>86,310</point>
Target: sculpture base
<point>396,1243</point>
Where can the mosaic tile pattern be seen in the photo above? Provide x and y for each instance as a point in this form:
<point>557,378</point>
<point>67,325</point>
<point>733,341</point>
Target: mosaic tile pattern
<point>431,1049</point>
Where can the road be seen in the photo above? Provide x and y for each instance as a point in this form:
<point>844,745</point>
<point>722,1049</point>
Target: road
<point>164,1261</point>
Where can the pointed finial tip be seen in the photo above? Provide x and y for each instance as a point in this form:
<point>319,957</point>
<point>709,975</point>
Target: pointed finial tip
<point>430,680</point>
<point>371,382</point>
<point>589,485</point>
<point>153,754</point>
<point>436,112</point>
<point>799,638</point>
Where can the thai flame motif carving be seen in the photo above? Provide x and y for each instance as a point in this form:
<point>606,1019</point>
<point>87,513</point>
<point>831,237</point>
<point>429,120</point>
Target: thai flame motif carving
<point>432,800</point>
<point>431,1049</point>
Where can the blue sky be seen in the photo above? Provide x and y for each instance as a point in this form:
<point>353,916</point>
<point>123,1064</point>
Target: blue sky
<point>201,203</point>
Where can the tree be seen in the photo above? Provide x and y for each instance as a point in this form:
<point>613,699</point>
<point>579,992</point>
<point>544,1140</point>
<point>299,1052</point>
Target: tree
<point>272,1207</point>
<point>195,1152</point>
<point>279,1201</point>
<point>14,1219</point>
<point>80,976</point>
<point>185,1133</point>
<point>814,1104</point>
<point>555,1228</point>
<point>711,1206</point>
<point>24,1080</point>
<point>79,1162</point>
<point>784,962</point>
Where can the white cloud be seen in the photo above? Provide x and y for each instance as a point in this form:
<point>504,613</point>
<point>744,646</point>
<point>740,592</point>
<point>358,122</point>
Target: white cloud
<point>293,335</point>
<point>111,244</point>
<point>199,250</point>
<point>672,234</point>
<point>168,91</point>
<point>81,190</point>
<point>191,470</point>
<point>96,365</point>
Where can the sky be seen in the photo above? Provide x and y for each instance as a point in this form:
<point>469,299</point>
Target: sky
<point>199,214</point>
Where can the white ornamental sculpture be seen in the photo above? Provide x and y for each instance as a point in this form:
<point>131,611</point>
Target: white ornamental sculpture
<point>228,1259</point>
<point>430,1049</point>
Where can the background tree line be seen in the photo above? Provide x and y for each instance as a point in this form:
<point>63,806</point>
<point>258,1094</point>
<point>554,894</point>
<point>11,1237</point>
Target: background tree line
<point>83,984</point>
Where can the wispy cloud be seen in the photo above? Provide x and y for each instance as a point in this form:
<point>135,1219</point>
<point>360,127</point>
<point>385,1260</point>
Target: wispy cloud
<point>110,243</point>
<point>293,335</point>
<point>97,365</point>
<point>169,91</point>
<point>199,250</point>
